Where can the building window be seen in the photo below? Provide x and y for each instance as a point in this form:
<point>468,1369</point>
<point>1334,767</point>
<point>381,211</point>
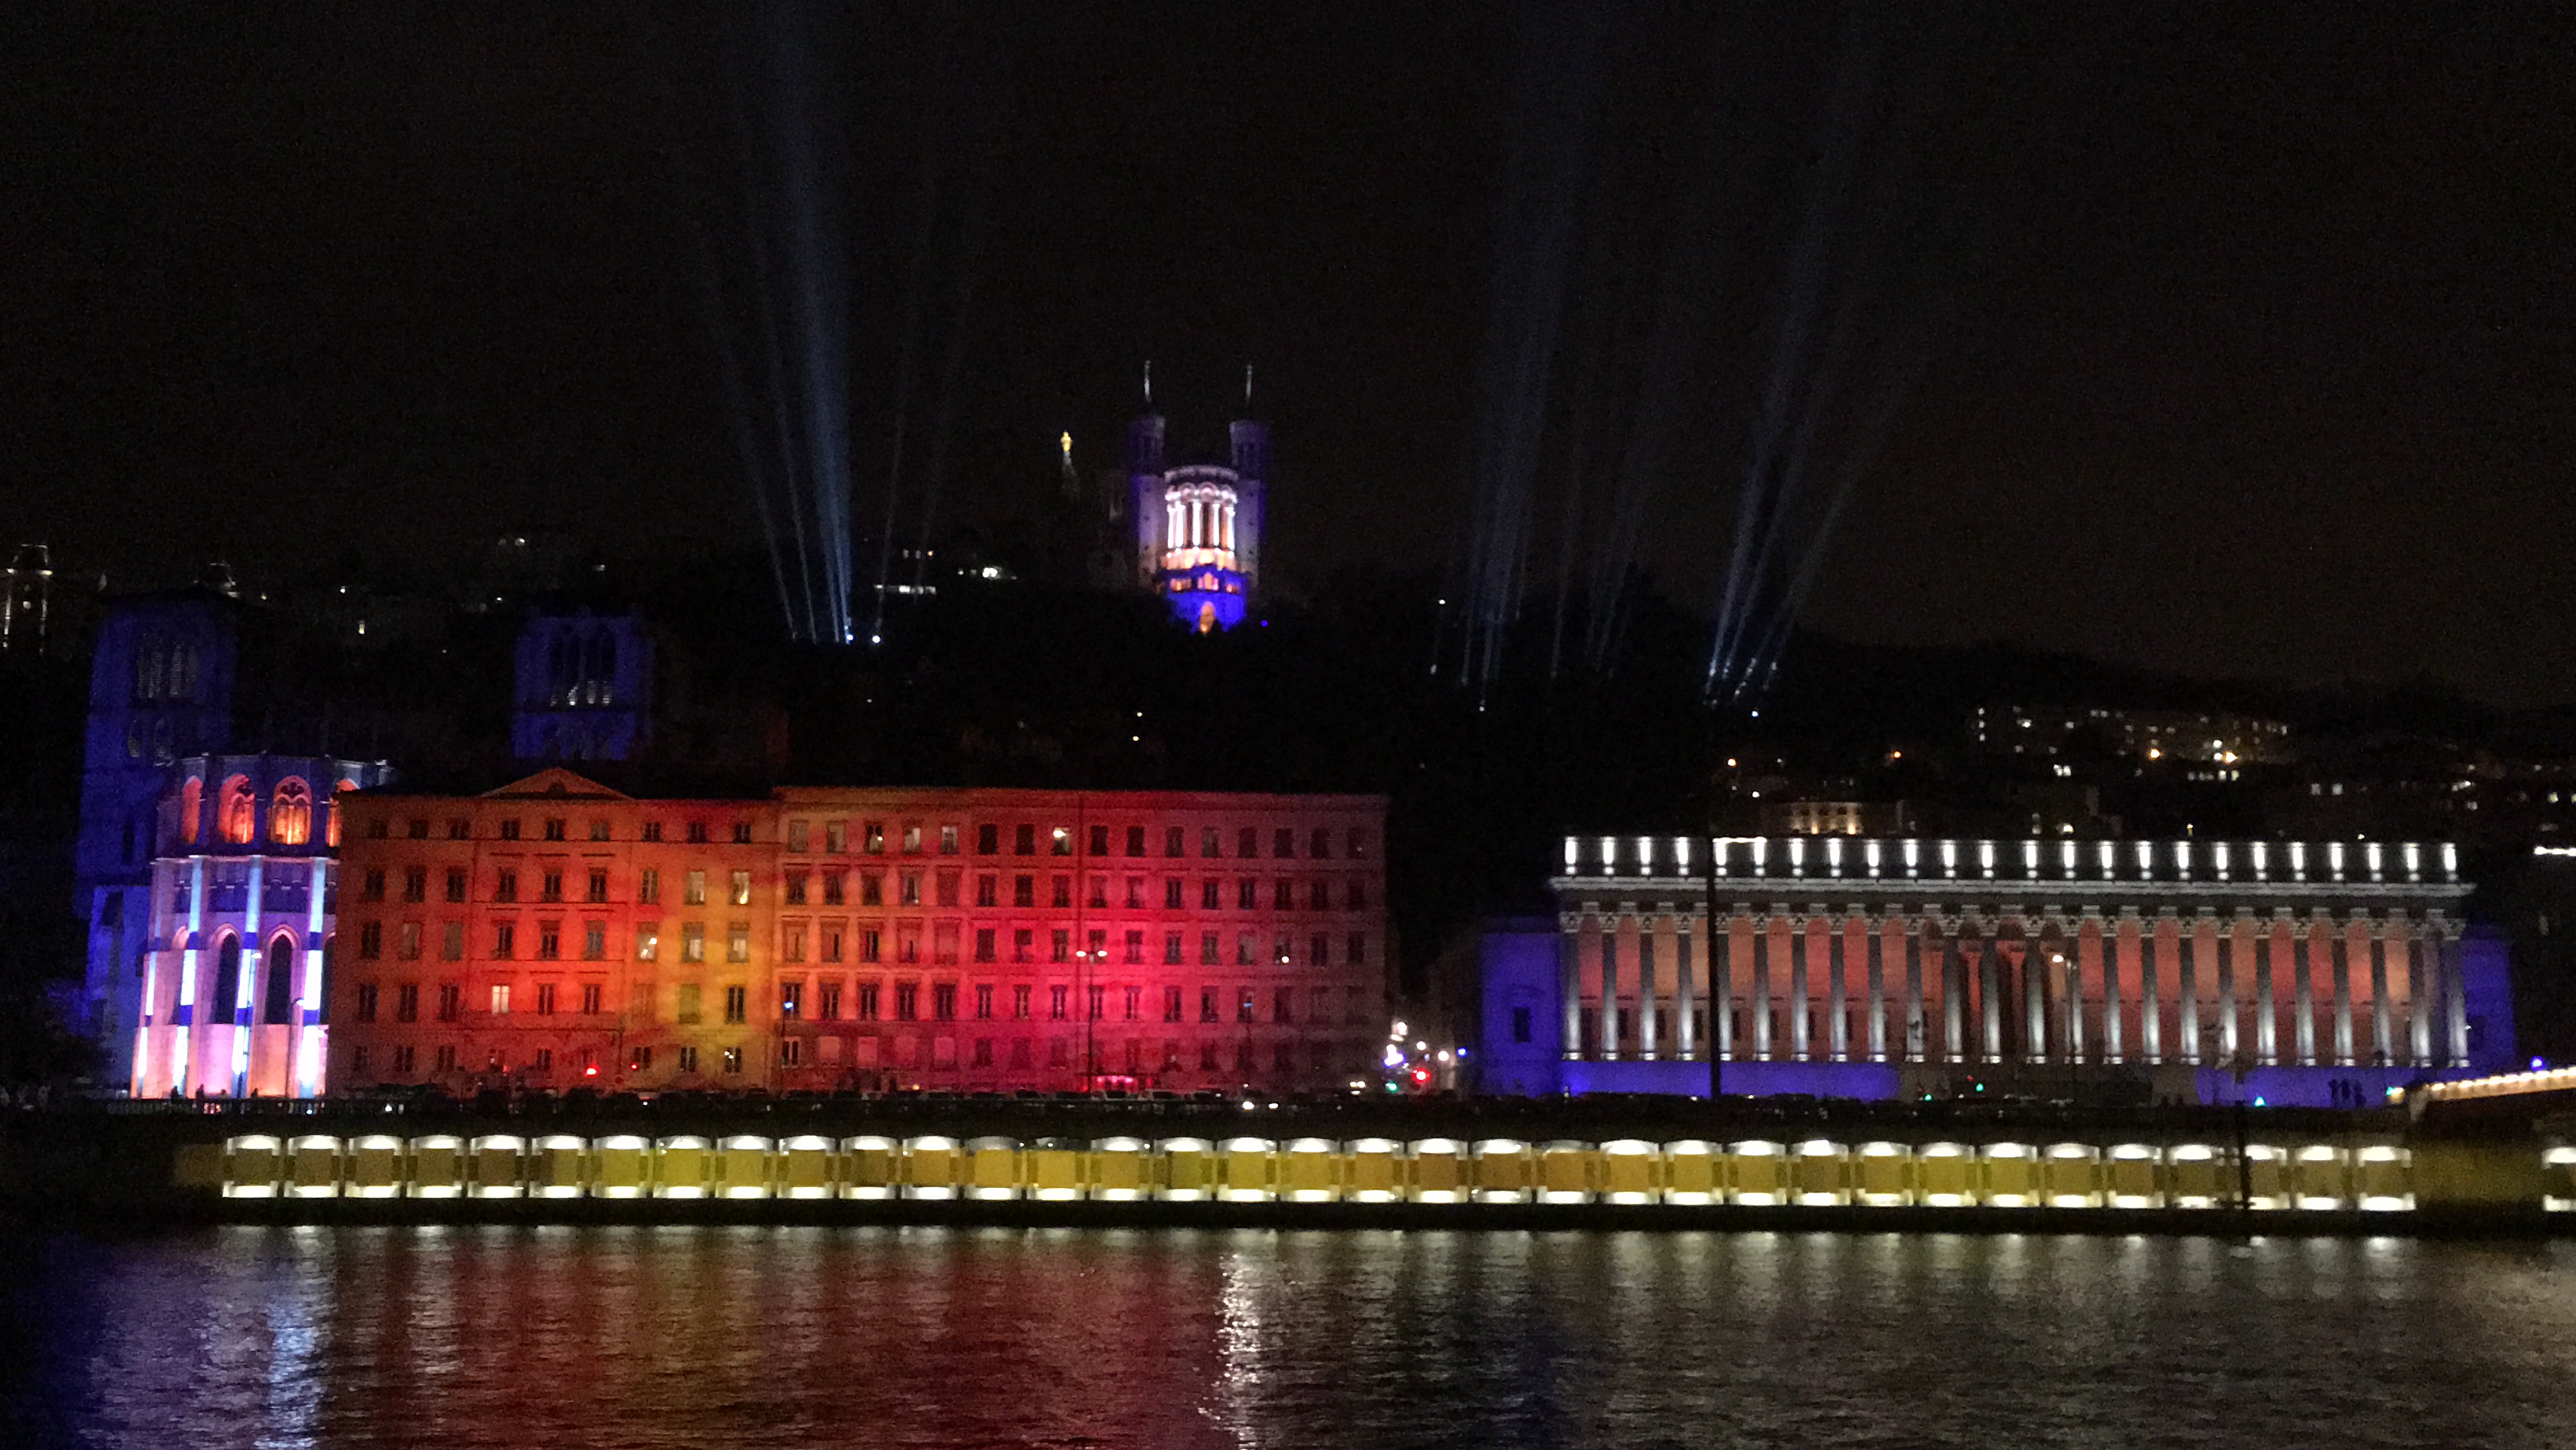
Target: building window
<point>1024,840</point>
<point>791,1052</point>
<point>734,1003</point>
<point>871,945</point>
<point>1057,1003</point>
<point>1247,949</point>
<point>832,943</point>
<point>1211,952</point>
<point>1247,895</point>
<point>947,840</point>
<point>371,886</point>
<point>455,885</point>
<point>1207,1004</point>
<point>693,942</point>
<point>599,830</point>
<point>1060,841</point>
<point>640,1060</point>
<point>554,828</point>
<point>835,889</point>
<point>1280,1008</point>
<point>741,893</point>
<point>505,886</point>
<point>907,1001</point>
<point>867,1001</point>
<point>1283,895</point>
<point>1283,843</point>
<point>799,836</point>
<point>983,1052</point>
<point>1211,841</point>
<point>943,1001</point>
<point>684,1004</point>
<point>1247,842</point>
<point>738,942</point>
<point>648,941</point>
<point>836,837</point>
<point>358,1061</point>
<point>830,1005</point>
<point>1062,896</point>
<point>688,1059</point>
<point>872,838</point>
<point>1320,844</point>
<point>550,886</point>
<point>594,941</point>
<point>1211,894</point>
<point>1243,1005</point>
<point>871,889</point>
<point>693,889</point>
<point>1207,1057</point>
<point>911,839</point>
<point>1171,1004</point>
<point>415,883</point>
<point>742,833</point>
<point>407,1002</point>
<point>1175,841</point>
<point>1135,840</point>
<point>549,941</point>
<point>988,840</point>
<point>1061,946</point>
<point>1019,1004</point>
<point>1358,950</point>
<point>1171,949</point>
<point>910,884</point>
<point>407,942</point>
<point>796,888</point>
<point>590,995</point>
<point>545,999</point>
<point>445,1061</point>
<point>984,944</point>
<point>371,941</point>
<point>652,830</point>
<point>598,886</point>
<point>366,1001</point>
<point>505,940</point>
<point>1135,948</point>
<point>648,886</point>
<point>791,943</point>
<point>510,830</point>
<point>500,999</point>
<point>451,1000</point>
<point>791,998</point>
<point>1135,1003</point>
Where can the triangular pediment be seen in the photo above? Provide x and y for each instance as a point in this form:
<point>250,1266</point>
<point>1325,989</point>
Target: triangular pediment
<point>555,783</point>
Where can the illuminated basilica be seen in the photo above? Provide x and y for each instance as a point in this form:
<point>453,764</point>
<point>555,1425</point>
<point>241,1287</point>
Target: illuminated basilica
<point>1198,525</point>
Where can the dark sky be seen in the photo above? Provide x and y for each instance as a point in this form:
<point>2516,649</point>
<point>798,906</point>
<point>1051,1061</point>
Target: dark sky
<point>2256,358</point>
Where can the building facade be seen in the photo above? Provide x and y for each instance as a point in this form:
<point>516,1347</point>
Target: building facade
<point>2319,973</point>
<point>1199,525</point>
<point>231,983</point>
<point>161,689</point>
<point>555,933</point>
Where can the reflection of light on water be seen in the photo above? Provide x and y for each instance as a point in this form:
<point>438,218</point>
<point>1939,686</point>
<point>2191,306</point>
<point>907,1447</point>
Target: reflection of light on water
<point>1239,1340</point>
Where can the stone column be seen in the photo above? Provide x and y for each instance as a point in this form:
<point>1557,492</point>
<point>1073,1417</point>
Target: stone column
<point>2115,1046</point>
<point>1990,990</point>
<point>1569,982</point>
<point>1838,995</point>
<point>1802,1010</point>
<point>1954,1015</point>
<point>2339,948</point>
<point>2267,1003</point>
<point>2227,1020</point>
<point>1721,987</point>
<point>2035,970</point>
<point>2419,994</point>
<point>1647,1003</point>
<point>2069,976</point>
<point>2383,1044</point>
<point>2187,987</point>
<point>1609,1024</point>
<point>1877,987</point>
<point>1762,987</point>
<point>2151,1011</point>
<point>1685,1028</point>
<point>1914,1044</point>
<point>2303,990</point>
<point>2455,993</point>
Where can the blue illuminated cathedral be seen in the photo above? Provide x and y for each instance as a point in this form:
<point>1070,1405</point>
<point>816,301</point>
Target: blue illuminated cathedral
<point>1198,525</point>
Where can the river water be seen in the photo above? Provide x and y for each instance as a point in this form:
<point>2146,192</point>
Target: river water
<point>650,1338</point>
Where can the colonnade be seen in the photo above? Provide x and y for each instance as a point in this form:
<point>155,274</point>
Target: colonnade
<point>2189,984</point>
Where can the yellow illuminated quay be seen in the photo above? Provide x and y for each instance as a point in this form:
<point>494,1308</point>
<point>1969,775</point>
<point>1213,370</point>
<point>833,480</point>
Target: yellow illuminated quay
<point>2369,1174</point>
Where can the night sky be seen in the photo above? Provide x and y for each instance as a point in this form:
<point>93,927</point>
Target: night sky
<point>2254,354</point>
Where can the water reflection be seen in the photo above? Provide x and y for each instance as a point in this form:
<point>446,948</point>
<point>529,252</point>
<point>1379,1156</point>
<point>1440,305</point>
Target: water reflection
<point>653,1337</point>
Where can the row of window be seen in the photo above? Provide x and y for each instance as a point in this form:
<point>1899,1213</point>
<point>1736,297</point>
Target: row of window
<point>873,1002</point>
<point>832,941</point>
<point>1140,1056</point>
<point>1284,894</point>
<point>913,839</point>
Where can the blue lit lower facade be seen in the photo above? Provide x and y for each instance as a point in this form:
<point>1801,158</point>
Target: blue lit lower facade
<point>2286,974</point>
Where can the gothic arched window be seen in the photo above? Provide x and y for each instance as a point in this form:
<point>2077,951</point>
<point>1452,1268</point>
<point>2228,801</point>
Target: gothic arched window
<point>192,803</point>
<point>290,814</point>
<point>277,1007</point>
<point>227,977</point>
<point>240,806</point>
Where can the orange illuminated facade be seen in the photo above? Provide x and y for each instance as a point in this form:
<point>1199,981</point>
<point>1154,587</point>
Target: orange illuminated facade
<point>555,933</point>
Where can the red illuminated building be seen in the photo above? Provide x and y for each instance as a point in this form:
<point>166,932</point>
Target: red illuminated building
<point>555,933</point>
